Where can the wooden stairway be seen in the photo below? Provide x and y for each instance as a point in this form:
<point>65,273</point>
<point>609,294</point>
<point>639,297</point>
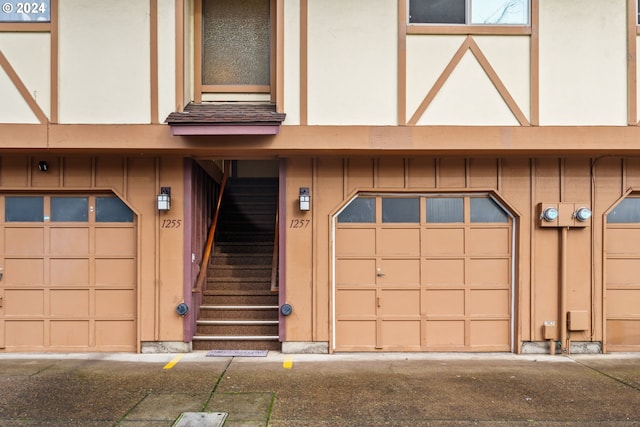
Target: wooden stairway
<point>239,308</point>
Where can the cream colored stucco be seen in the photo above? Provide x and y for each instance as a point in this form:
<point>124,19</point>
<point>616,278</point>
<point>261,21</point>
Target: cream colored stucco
<point>166,58</point>
<point>189,60</point>
<point>28,54</point>
<point>583,62</point>
<point>637,74</point>
<point>352,62</point>
<point>427,57</point>
<point>510,57</point>
<point>292,62</point>
<point>468,97</point>
<point>104,61</point>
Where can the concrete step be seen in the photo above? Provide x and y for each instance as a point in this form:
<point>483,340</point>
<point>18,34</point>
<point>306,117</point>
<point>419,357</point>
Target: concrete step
<point>241,259</point>
<point>240,271</point>
<point>238,328</point>
<point>235,247</point>
<point>240,297</point>
<point>223,343</point>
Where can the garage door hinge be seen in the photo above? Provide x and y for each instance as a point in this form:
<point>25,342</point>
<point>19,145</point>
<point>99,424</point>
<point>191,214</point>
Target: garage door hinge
<point>1,301</point>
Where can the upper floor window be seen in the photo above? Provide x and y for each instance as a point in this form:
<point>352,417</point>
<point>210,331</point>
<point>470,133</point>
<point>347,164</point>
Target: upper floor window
<point>236,39</point>
<point>469,12</point>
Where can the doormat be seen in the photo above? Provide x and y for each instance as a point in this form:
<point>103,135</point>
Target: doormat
<point>237,353</point>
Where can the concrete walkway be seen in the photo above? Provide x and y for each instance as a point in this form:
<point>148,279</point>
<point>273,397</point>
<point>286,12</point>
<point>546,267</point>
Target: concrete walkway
<point>389,389</point>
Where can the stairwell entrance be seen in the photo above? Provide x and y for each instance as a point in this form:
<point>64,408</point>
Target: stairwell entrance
<point>239,309</point>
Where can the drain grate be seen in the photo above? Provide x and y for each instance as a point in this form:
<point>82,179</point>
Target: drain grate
<point>237,353</point>
<point>201,419</point>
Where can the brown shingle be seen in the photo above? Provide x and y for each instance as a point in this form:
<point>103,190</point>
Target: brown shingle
<point>226,114</point>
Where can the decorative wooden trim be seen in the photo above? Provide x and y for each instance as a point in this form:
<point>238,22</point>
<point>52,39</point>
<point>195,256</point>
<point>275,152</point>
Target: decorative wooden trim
<point>24,92</point>
<point>502,30</point>
<point>197,52</point>
<point>632,64</point>
<point>534,65</point>
<point>470,44</point>
<point>179,60</point>
<point>277,85</point>
<point>402,63</point>
<point>27,27</point>
<point>153,60</point>
<point>304,62</point>
<point>53,65</point>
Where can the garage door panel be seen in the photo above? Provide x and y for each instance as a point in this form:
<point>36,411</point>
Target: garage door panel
<point>23,271</point>
<point>115,333</point>
<point>490,333</point>
<point>622,241</point>
<point>356,241</point>
<point>115,272</point>
<point>23,241</point>
<point>397,241</point>
<point>488,241</point>
<point>355,302</point>
<point>27,333</point>
<point>69,241</point>
<point>356,333</point>
<point>439,302</point>
<point>400,302</point>
<point>623,302</point>
<point>69,303</point>
<point>115,241</point>
<point>355,271</point>
<point>623,271</point>
<point>484,271</point>
<point>399,272</point>
<point>69,272</point>
<point>489,302</point>
<point>441,333</point>
<point>24,302</point>
<point>115,303</point>
<point>400,333</point>
<point>447,241</point>
<point>444,272</point>
<point>66,333</point>
<point>623,332</point>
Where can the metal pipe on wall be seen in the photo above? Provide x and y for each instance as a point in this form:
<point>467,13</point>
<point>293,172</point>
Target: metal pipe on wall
<point>563,288</point>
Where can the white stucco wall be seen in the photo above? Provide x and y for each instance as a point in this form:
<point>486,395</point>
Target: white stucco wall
<point>468,96</point>
<point>166,58</point>
<point>104,61</point>
<point>292,62</point>
<point>583,68</point>
<point>352,62</point>
<point>29,56</point>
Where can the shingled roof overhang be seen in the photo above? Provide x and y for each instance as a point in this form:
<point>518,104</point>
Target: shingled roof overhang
<point>226,119</point>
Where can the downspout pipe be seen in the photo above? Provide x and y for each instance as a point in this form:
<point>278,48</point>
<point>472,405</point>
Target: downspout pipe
<point>563,289</point>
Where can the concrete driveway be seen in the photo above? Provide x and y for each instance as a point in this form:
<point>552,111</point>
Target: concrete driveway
<point>388,389</point>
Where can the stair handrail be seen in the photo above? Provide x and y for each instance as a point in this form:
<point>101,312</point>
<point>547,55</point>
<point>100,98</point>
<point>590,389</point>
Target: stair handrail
<point>274,260</point>
<point>212,231</point>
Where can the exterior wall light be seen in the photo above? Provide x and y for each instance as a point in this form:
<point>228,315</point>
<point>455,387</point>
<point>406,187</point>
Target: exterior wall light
<point>164,199</point>
<point>305,199</point>
<point>43,166</point>
<point>582,214</point>
<point>549,214</point>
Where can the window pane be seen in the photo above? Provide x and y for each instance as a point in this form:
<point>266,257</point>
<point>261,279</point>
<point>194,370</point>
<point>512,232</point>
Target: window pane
<point>627,211</point>
<point>112,209</point>
<point>359,210</point>
<point>400,210</point>
<point>486,210</point>
<point>514,12</point>
<point>24,209</point>
<point>65,209</point>
<point>445,210</point>
<point>235,42</point>
<point>437,11</point>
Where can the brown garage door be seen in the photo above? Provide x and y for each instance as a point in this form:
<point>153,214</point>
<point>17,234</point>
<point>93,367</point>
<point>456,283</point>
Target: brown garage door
<point>423,273</point>
<point>622,277</point>
<point>69,273</point>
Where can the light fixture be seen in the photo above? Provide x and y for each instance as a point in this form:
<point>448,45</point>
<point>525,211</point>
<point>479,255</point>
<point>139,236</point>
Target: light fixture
<point>305,199</point>
<point>582,214</point>
<point>164,199</point>
<point>43,166</point>
<point>182,309</point>
<point>549,214</point>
